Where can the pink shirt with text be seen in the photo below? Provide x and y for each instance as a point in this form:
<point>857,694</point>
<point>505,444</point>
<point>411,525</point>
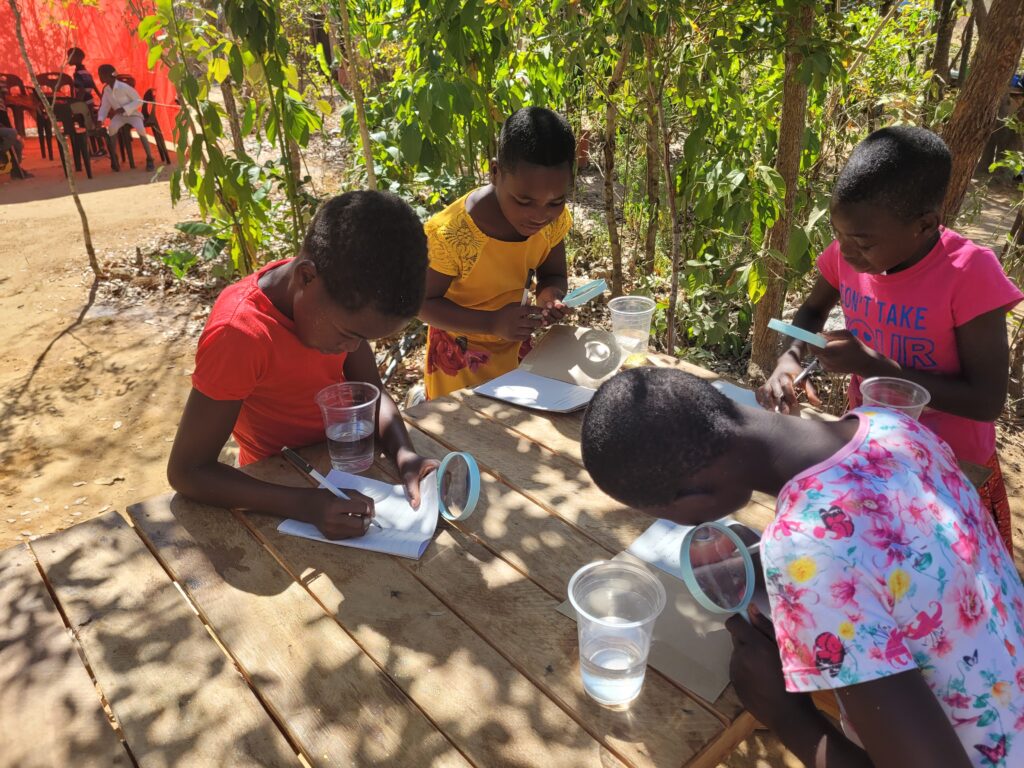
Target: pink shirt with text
<point>911,317</point>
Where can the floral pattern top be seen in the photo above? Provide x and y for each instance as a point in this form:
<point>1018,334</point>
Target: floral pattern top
<point>882,560</point>
<point>487,274</point>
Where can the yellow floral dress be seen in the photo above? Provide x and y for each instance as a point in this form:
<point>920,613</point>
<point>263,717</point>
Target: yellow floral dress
<point>487,274</point>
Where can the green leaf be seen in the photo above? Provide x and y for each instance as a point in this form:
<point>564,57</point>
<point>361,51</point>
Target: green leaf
<point>798,246</point>
<point>219,70</point>
<point>756,287</point>
<point>411,143</point>
<point>179,261</point>
<point>196,228</point>
<point>324,106</point>
<point>987,719</point>
<point>147,27</point>
<point>321,60</point>
<point>213,248</point>
<point>154,56</point>
<point>249,117</point>
<point>236,64</point>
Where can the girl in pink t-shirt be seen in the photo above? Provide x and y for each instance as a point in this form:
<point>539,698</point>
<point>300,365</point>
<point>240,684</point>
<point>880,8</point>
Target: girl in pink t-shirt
<point>921,302</point>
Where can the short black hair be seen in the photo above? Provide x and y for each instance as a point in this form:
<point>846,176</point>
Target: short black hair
<point>72,52</point>
<point>105,70</point>
<point>649,429</point>
<point>536,135</point>
<point>370,250</point>
<point>901,168</point>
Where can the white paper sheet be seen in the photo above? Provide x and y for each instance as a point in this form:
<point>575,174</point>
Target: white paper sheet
<point>538,392</point>
<point>735,393</point>
<point>406,531</point>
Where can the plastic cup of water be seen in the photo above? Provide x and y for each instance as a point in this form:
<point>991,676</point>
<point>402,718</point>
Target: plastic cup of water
<point>617,603</point>
<point>898,394</point>
<point>350,420</point>
<point>631,322</point>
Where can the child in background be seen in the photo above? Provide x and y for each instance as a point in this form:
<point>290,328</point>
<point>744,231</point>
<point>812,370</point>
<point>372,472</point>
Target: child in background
<point>123,105</point>
<point>85,87</point>
<point>887,579</point>
<point>279,336</point>
<point>921,302</point>
<point>485,249</point>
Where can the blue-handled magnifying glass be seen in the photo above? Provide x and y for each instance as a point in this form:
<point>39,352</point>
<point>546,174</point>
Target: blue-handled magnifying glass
<point>458,486</point>
<point>718,568</point>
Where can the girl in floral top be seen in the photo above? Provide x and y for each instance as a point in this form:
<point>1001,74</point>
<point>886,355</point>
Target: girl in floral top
<point>485,249</point>
<point>887,578</point>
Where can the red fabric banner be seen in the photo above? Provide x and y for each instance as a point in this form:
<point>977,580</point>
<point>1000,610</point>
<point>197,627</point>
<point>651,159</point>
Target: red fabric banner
<point>104,29</point>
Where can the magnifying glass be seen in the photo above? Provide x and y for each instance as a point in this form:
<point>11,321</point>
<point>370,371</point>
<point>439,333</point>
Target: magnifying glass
<point>458,486</point>
<point>718,568</point>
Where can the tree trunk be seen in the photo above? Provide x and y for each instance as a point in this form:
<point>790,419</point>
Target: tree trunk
<point>652,121</point>
<point>227,90</point>
<point>943,38</point>
<point>610,127</point>
<point>351,58</point>
<point>974,116</point>
<point>764,349</point>
<point>69,168</point>
<point>675,218</point>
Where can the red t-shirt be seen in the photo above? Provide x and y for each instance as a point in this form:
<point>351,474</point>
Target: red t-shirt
<point>912,316</point>
<point>249,352</point>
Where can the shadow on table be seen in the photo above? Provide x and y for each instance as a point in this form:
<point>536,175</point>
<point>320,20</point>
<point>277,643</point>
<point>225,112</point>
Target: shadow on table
<point>140,642</point>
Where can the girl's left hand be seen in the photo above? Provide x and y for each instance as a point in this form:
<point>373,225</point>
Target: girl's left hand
<point>756,670</point>
<point>552,309</point>
<point>845,353</point>
<point>413,468</point>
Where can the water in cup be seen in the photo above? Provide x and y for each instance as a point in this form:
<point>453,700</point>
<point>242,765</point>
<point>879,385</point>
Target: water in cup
<point>351,445</point>
<point>613,672</point>
<point>349,409</point>
<point>616,603</point>
<point>631,341</point>
<point>631,322</point>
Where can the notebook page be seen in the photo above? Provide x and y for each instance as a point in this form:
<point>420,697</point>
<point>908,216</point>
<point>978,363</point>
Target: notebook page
<point>406,531</point>
<point>520,387</point>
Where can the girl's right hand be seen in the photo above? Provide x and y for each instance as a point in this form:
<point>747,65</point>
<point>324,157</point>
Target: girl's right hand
<point>342,518</point>
<point>516,322</point>
<point>778,393</point>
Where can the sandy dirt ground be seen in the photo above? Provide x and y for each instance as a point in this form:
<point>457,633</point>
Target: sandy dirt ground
<point>92,386</point>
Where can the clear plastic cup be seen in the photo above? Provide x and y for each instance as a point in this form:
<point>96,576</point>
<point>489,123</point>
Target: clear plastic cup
<point>617,603</point>
<point>350,420</point>
<point>631,322</point>
<point>898,394</point>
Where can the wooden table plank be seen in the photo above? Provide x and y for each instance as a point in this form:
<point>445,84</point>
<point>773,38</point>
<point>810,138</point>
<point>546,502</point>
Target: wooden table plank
<point>334,701</point>
<point>540,545</point>
<point>50,711</point>
<point>547,478</point>
<point>664,727</point>
<point>178,699</point>
<point>494,714</point>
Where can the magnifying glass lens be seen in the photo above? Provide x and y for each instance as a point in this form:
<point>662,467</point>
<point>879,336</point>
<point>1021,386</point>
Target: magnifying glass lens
<point>455,485</point>
<point>718,568</point>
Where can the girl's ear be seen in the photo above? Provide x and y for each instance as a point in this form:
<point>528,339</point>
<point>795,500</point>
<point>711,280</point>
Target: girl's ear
<point>494,170</point>
<point>307,271</point>
<point>928,223</point>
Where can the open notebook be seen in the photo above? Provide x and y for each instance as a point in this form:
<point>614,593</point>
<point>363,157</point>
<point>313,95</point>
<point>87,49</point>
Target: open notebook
<point>404,531</point>
<point>561,373</point>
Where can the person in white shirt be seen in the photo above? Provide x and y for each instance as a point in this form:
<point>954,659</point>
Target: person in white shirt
<point>122,104</point>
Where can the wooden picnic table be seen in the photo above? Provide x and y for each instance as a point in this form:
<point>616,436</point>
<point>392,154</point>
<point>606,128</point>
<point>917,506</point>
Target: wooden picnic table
<point>210,639</point>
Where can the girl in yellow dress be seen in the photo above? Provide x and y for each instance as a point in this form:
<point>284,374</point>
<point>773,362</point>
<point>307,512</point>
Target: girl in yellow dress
<point>485,249</point>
